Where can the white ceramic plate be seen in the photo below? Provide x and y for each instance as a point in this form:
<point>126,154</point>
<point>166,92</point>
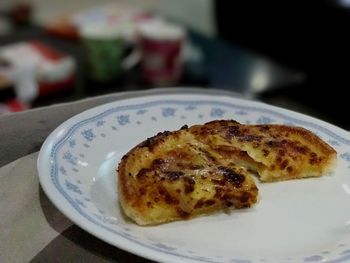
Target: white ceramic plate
<point>295,221</point>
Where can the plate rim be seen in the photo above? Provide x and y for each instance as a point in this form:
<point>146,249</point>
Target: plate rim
<point>147,252</point>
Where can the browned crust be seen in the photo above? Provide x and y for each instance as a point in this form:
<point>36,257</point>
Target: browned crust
<point>276,152</point>
<point>171,181</point>
<point>160,179</point>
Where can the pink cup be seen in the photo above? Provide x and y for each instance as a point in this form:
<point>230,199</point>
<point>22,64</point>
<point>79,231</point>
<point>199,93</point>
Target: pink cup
<point>161,45</point>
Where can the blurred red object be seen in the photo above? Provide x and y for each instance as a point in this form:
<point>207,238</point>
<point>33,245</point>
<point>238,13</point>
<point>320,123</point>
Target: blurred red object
<point>46,86</point>
<point>63,27</point>
<point>12,106</point>
<point>54,71</point>
<point>15,105</point>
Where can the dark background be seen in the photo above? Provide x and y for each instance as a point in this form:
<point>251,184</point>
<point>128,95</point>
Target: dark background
<point>309,36</point>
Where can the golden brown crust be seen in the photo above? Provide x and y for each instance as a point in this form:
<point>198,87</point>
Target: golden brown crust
<point>276,152</point>
<point>204,168</point>
<point>172,176</point>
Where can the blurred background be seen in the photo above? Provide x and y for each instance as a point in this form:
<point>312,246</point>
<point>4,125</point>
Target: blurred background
<point>293,54</point>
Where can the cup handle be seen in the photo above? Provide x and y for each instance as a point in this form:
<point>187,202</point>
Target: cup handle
<point>131,60</point>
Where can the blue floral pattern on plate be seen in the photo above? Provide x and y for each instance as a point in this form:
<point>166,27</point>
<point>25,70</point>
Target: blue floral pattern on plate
<point>71,172</point>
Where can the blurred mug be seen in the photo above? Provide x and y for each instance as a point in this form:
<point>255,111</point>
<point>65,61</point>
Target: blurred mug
<point>161,46</point>
<point>104,50</point>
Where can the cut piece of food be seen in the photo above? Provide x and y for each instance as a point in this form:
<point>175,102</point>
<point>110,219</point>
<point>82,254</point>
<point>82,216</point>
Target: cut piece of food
<point>274,152</point>
<point>173,176</point>
<point>205,168</point>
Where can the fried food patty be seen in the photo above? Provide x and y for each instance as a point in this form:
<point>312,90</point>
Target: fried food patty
<point>206,168</point>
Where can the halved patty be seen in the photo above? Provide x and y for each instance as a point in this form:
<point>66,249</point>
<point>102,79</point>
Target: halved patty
<point>206,168</point>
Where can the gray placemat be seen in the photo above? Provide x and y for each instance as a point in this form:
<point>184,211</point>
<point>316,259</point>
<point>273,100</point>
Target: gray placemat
<point>32,229</point>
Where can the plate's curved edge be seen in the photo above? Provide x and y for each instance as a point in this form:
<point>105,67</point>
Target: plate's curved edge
<point>94,229</point>
<point>47,187</point>
<point>273,110</point>
<point>228,96</point>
